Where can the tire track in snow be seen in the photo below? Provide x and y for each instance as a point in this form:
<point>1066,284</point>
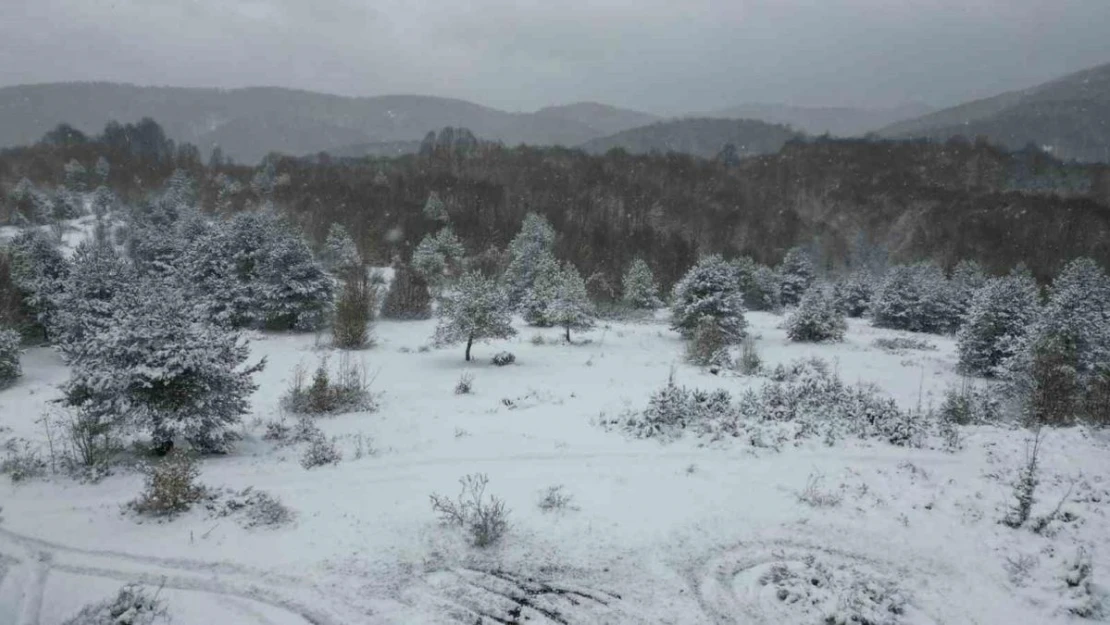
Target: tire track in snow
<point>38,557</point>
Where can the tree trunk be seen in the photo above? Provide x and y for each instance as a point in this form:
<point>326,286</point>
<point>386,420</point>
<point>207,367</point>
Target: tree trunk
<point>568,334</point>
<point>469,342</point>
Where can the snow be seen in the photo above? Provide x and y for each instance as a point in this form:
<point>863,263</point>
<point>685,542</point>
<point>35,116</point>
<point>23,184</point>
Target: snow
<point>686,532</point>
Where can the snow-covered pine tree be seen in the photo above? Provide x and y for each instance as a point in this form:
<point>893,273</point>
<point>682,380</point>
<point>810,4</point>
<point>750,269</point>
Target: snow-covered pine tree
<point>100,285</point>
<point>408,297</point>
<point>66,204</point>
<point>340,254</point>
<point>1001,313</point>
<point>817,318</point>
<point>917,298</point>
<point>434,208</point>
<point>207,268</point>
<point>102,169</point>
<point>709,289</point>
<point>854,293</point>
<point>39,272</point>
<point>640,290</point>
<point>75,176</point>
<point>438,257</point>
<point>9,356</point>
<point>966,280</point>
<point>29,202</point>
<point>538,296</point>
<point>163,367</point>
<point>294,291</point>
<point>765,291</point>
<point>529,251</point>
<point>797,275</point>
<point>103,202</point>
<point>475,309</point>
<point>570,306</point>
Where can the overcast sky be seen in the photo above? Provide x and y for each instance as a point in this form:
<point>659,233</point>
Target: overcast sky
<point>663,56</point>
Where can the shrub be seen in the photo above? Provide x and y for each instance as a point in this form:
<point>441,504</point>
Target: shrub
<point>320,451</point>
<point>1082,598</point>
<point>354,312</point>
<point>485,519</point>
<point>21,461</point>
<point>968,404</point>
<point>349,391</point>
<point>131,606</point>
<point>9,357</point>
<point>255,508</point>
<point>554,499</point>
<point>816,497</point>
<point>817,319</point>
<point>750,363</point>
<point>900,343</point>
<point>1026,486</point>
<point>708,346</point>
<point>465,385</point>
<point>709,289</point>
<point>502,359</point>
<point>171,486</point>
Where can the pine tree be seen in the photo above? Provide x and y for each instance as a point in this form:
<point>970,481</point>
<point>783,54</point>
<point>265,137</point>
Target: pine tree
<point>162,366</point>
<point>797,276</point>
<point>354,311</point>
<point>538,296</point>
<point>438,257</point>
<point>998,318</point>
<point>340,254</point>
<point>817,318</point>
<point>39,271</point>
<point>709,289</point>
<point>640,290</point>
<point>434,208</point>
<point>854,293</point>
<point>407,297</point>
<point>295,292</point>
<point>100,285</point>
<point>570,307</point>
<point>529,251</point>
<point>9,356</point>
<point>31,204</point>
<point>967,278</point>
<point>476,309</point>
<point>76,176</point>
<point>102,169</point>
<point>917,298</point>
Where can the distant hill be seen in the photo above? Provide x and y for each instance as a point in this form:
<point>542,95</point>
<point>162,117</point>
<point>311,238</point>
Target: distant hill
<point>836,121</point>
<point>1069,116</point>
<point>700,136</point>
<point>249,123</point>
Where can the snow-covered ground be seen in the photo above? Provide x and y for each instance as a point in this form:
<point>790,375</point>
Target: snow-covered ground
<point>682,532</point>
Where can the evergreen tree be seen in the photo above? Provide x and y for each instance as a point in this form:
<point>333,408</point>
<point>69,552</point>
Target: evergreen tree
<point>917,298</point>
<point>765,290</point>
<point>709,289</point>
<point>354,311</point>
<point>340,255</point>
<point>640,290</point>
<point>797,275</point>
<point>817,318</point>
<point>434,208</point>
<point>529,251</point>
<point>854,293</point>
<point>76,176</point>
<point>967,278</point>
<point>439,256</point>
<point>102,169</point>
<point>1000,315</point>
<point>29,203</point>
<point>161,366</point>
<point>294,291</point>
<point>99,285</point>
<point>9,356</point>
<point>39,272</point>
<point>537,297</point>
<point>408,297</point>
<point>476,309</point>
<point>569,306</point>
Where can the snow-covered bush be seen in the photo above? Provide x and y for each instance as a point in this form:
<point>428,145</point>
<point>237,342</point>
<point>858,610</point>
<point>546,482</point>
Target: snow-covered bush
<point>476,309</point>
<point>171,486</point>
<point>133,605</point>
<point>1081,597</point>
<point>349,391</point>
<point>502,359</point>
<point>917,298</point>
<point>254,508</point>
<point>1025,487</point>
<point>465,385</point>
<point>9,356</point>
<point>408,297</point>
<point>709,289</point>
<point>160,365</point>
<point>321,451</point>
<point>21,460</point>
<point>434,208</point>
<point>640,292</point>
<point>1000,314</point>
<point>485,519</point>
<point>968,404</point>
<point>796,274</point>
<point>903,343</point>
<point>749,363</point>
<point>531,251</point>
<point>816,319</point>
<point>556,499</point>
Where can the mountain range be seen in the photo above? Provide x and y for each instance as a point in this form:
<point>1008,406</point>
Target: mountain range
<point>1069,117</point>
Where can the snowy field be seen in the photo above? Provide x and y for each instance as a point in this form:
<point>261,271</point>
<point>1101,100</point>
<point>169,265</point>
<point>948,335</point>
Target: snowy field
<point>680,532</point>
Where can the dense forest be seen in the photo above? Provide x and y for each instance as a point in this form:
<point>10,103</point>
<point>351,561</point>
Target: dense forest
<point>916,199</point>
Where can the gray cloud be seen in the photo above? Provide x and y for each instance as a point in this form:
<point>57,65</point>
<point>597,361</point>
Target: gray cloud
<point>656,55</point>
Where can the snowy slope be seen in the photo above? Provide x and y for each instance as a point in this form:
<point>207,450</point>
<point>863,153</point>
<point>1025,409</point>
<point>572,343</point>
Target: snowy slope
<point>682,532</point>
